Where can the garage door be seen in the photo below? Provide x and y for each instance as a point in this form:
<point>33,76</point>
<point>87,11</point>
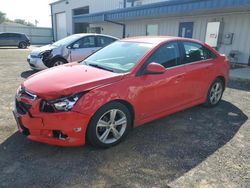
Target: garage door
<point>61,30</point>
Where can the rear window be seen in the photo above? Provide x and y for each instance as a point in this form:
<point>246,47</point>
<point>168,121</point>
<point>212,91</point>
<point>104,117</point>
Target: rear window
<point>104,41</point>
<point>196,52</point>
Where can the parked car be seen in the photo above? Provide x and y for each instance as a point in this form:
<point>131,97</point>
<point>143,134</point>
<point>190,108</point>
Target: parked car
<point>14,39</point>
<point>124,85</point>
<point>72,48</point>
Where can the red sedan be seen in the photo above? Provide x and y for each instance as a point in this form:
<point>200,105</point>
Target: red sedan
<point>122,86</point>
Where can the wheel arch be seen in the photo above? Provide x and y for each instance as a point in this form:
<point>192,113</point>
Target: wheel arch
<point>59,57</point>
<point>222,78</point>
<point>129,106</point>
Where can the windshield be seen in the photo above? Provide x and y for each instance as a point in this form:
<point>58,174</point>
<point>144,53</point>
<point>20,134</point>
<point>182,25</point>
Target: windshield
<point>119,56</point>
<point>67,40</point>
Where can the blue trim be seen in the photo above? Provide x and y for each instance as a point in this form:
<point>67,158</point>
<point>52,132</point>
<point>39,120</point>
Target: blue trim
<point>165,8</point>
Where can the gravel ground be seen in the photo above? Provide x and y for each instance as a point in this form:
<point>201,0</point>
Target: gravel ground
<point>198,147</point>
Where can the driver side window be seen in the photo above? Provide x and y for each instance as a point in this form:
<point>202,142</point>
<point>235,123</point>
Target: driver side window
<point>167,55</point>
<point>86,42</point>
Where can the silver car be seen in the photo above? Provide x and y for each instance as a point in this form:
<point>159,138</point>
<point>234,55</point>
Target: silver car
<point>72,48</point>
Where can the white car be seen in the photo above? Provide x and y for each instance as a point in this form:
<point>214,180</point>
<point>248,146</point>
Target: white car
<point>70,49</point>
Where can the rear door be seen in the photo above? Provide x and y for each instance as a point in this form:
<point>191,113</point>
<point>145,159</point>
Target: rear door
<point>83,48</point>
<point>199,68</point>
<point>13,39</point>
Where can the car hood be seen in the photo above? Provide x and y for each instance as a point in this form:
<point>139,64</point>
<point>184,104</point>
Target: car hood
<point>68,79</point>
<point>37,51</point>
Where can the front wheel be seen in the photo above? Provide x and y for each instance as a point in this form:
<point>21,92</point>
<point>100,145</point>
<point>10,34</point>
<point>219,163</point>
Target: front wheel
<point>22,45</point>
<point>215,93</point>
<point>56,62</point>
<point>109,126</point>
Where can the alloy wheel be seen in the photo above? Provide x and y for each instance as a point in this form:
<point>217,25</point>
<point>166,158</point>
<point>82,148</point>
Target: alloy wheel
<point>216,93</point>
<point>111,126</point>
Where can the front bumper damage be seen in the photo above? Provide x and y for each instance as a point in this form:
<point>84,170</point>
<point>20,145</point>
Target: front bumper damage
<point>36,63</point>
<point>62,129</point>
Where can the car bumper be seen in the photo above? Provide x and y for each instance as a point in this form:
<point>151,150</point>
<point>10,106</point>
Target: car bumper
<point>61,129</point>
<point>36,63</point>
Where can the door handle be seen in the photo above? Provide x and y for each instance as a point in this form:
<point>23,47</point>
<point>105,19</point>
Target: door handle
<point>179,78</point>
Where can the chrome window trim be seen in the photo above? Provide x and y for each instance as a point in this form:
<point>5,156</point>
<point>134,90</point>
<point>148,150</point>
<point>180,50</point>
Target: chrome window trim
<point>195,62</point>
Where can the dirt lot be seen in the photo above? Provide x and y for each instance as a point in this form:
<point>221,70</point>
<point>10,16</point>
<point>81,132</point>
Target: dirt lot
<point>198,147</point>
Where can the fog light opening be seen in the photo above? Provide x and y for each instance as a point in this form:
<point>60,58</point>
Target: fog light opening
<point>59,135</point>
<point>77,130</point>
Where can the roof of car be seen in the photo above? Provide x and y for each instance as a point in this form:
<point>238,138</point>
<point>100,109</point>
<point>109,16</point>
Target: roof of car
<point>155,39</point>
<point>91,34</point>
<point>12,33</point>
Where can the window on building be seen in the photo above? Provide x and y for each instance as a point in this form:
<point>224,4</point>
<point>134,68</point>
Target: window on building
<point>152,30</point>
<point>196,52</point>
<point>79,11</point>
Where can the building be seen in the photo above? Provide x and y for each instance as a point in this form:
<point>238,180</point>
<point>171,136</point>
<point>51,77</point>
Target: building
<point>224,24</point>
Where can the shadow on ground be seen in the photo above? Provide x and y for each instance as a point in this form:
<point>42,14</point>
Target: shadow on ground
<point>27,73</point>
<point>154,154</point>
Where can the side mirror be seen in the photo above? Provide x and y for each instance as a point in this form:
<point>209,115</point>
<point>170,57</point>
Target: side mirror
<point>155,68</point>
<point>76,46</point>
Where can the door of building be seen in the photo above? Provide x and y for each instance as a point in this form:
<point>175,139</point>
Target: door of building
<point>61,27</point>
<point>186,29</point>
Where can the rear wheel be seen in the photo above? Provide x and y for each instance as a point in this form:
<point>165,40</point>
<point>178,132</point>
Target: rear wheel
<point>22,45</point>
<point>215,93</point>
<point>109,126</point>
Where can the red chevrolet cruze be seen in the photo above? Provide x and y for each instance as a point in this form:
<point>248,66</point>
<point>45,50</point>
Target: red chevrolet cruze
<point>124,85</point>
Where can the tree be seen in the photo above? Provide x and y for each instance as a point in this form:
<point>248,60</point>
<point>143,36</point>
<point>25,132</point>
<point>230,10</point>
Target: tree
<point>23,22</point>
<point>2,17</point>
<point>20,21</point>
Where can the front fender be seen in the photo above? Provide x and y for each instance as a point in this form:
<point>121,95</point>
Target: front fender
<point>94,100</point>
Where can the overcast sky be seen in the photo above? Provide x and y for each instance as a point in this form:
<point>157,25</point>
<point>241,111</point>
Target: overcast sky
<point>30,10</point>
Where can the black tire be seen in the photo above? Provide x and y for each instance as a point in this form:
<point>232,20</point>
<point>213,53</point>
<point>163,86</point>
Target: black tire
<point>92,131</point>
<point>22,45</point>
<point>55,62</point>
<point>209,102</point>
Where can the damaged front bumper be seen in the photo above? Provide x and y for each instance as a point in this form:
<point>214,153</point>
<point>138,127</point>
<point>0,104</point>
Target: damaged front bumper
<point>36,63</point>
<point>62,129</point>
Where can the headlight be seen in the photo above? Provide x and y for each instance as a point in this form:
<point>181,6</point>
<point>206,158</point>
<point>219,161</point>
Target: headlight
<point>45,55</point>
<point>64,104</point>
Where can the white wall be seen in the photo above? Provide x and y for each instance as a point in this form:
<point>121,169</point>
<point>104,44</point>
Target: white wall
<point>237,23</point>
<point>95,6</point>
<point>37,35</point>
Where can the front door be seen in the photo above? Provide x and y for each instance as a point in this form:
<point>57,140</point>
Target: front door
<point>186,29</point>
<point>165,91</point>
<point>83,48</point>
